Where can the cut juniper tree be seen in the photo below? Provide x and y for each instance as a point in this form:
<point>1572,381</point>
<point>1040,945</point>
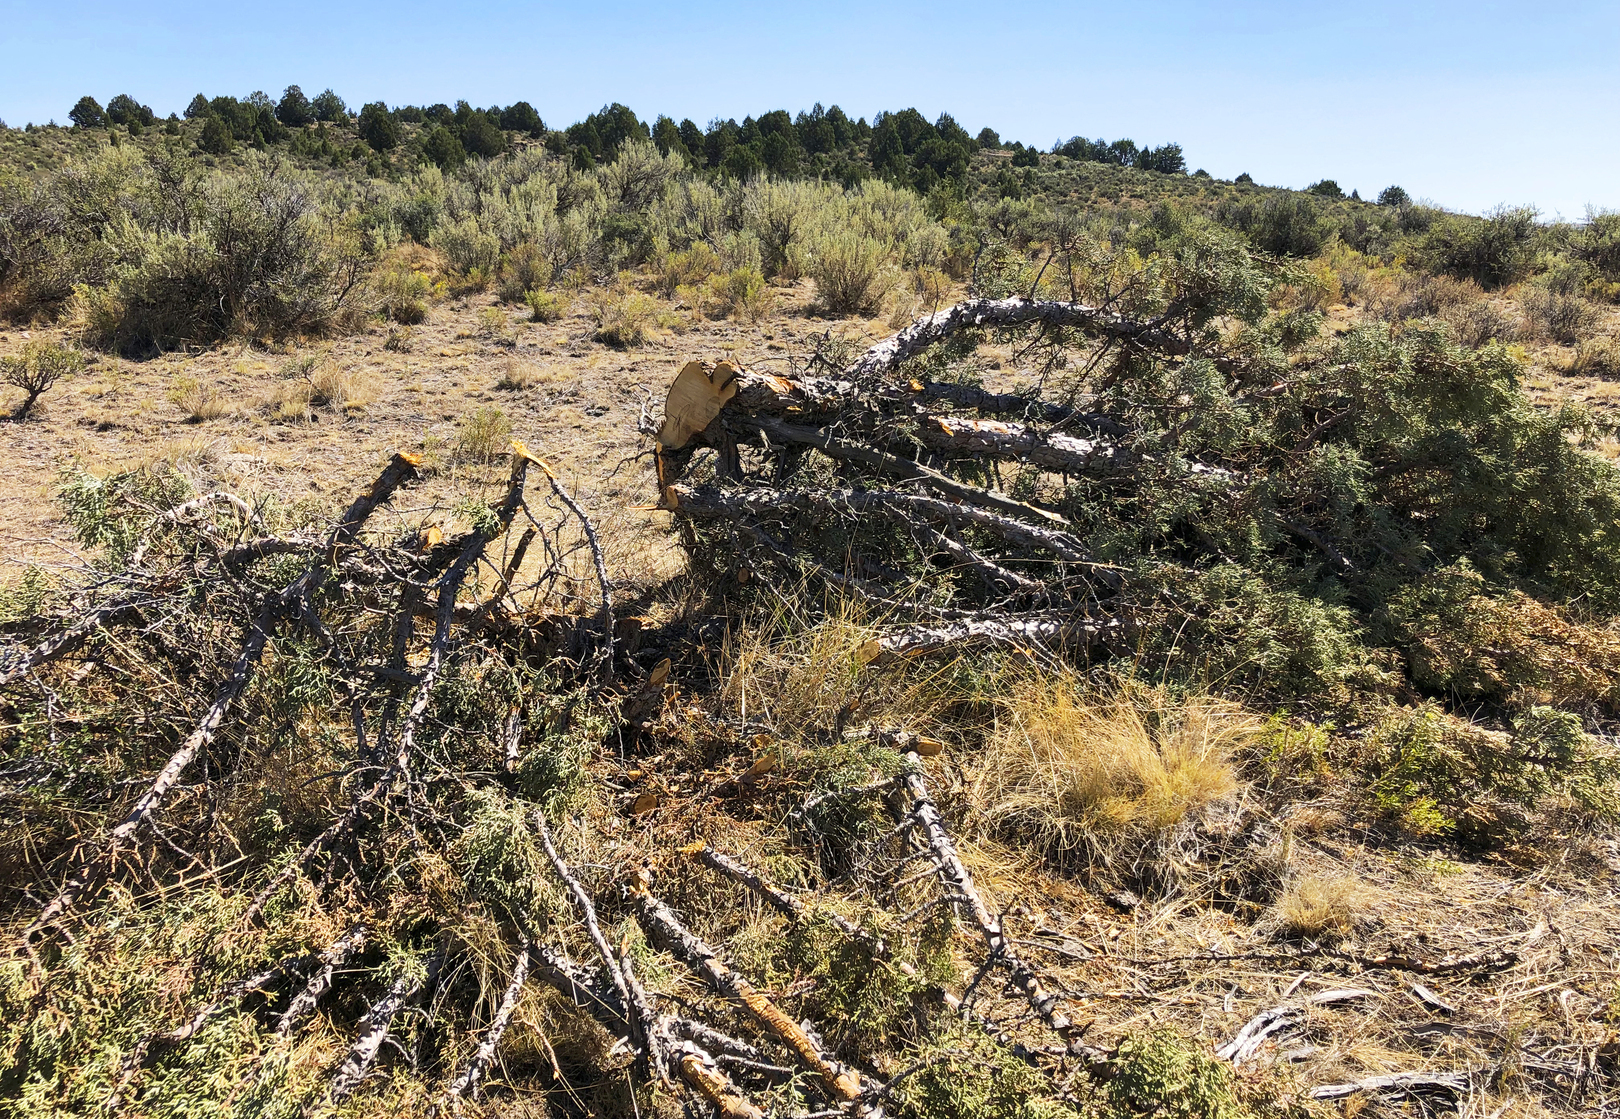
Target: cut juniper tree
<point>1183,467</point>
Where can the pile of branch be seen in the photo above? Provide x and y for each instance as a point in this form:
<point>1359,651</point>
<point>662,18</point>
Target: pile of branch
<point>939,504</point>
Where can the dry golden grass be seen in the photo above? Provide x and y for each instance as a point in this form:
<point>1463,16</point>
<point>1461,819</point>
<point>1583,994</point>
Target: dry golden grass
<point>1064,769</point>
<point>198,400</point>
<point>1315,904</point>
<point>342,390</point>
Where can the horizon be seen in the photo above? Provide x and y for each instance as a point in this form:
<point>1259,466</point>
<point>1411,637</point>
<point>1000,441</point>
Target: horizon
<point>1439,101</point>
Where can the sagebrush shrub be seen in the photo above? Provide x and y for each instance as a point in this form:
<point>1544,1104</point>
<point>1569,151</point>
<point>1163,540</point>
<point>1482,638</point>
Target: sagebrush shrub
<point>482,434</point>
<point>852,272</point>
<point>545,306</point>
<point>623,318</point>
<point>36,370</point>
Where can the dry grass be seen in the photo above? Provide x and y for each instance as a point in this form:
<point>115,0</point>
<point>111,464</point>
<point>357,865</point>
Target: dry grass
<point>482,434</point>
<point>198,400</point>
<point>342,390</point>
<point>624,319</point>
<point>1063,767</point>
<point>1316,904</point>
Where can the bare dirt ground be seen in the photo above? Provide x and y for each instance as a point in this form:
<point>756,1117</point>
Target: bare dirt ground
<point>572,400</point>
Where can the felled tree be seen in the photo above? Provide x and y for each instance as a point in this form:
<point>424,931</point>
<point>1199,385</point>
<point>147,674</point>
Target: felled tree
<point>1183,465</point>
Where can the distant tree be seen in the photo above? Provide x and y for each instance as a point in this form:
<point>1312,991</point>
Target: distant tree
<point>260,100</point>
<point>1326,188</point>
<point>294,109</point>
<point>1244,178</point>
<point>1166,159</point>
<point>667,136</point>
<point>845,131</point>
<point>521,117</point>
<point>989,138</point>
<point>1025,157</point>
<point>124,108</point>
<point>482,138</point>
<point>442,147</point>
<point>1355,196</point>
<point>887,149</point>
<point>198,108</point>
<point>410,114</point>
<point>1395,197</point>
<point>1121,152</point>
<point>329,107</point>
<point>377,127</point>
<point>953,133</point>
<point>1201,174</point>
<point>692,139</point>
<point>216,136</point>
<point>439,113</point>
<point>87,114</point>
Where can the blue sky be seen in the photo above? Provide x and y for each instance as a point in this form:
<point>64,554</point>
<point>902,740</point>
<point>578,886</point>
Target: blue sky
<point>1467,104</point>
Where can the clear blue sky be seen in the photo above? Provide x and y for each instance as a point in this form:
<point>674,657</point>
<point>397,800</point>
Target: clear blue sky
<point>1468,104</point>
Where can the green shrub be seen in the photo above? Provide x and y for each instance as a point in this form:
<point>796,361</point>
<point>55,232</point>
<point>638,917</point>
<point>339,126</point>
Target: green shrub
<point>1493,251</point>
<point>1282,224</point>
<point>1438,774</point>
<point>743,293</point>
<point>526,268</point>
<point>403,293</point>
<point>257,260</point>
<point>546,306</point>
<point>623,318</point>
<point>852,272</point>
<point>36,370</point>
<point>686,268</point>
<point>468,246</point>
<point>1161,1074</point>
<point>483,434</point>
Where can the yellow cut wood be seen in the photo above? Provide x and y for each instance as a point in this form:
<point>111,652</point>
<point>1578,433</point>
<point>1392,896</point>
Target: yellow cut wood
<point>695,398</point>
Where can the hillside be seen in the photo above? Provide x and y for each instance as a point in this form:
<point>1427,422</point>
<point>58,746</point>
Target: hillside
<point>1180,680</point>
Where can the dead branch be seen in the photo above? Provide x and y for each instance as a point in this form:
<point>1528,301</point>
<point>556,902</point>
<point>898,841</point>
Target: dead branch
<point>641,1020</point>
<point>374,1028</point>
<point>845,1084</point>
<point>978,314</point>
<point>1451,1084</point>
<point>958,883</point>
<point>306,1000</point>
<point>467,1083</point>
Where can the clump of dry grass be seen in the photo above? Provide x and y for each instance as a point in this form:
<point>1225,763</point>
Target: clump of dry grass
<point>1314,905</point>
<point>1595,357</point>
<point>342,390</point>
<point>199,401</point>
<point>515,375</point>
<point>1076,776</point>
